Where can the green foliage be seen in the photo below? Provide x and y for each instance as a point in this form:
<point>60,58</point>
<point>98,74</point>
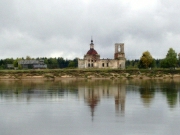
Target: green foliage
<point>54,63</point>
<point>71,64</point>
<point>48,76</point>
<point>132,63</point>
<point>153,64</point>
<point>28,58</point>
<point>170,60</point>
<point>19,67</point>
<point>146,60</point>
<point>15,62</point>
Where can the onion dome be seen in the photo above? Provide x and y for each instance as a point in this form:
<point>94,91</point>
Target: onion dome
<point>92,51</point>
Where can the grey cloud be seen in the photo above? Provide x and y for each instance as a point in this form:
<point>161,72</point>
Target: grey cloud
<point>64,28</point>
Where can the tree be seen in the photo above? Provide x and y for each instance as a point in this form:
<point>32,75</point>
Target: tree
<point>71,64</point>
<point>146,60</point>
<point>61,62</point>
<point>52,63</point>
<point>15,63</point>
<point>28,58</point>
<point>75,62</point>
<point>170,60</point>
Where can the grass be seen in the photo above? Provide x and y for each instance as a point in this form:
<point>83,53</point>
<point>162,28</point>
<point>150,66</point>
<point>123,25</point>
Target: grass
<point>107,73</point>
<point>49,76</point>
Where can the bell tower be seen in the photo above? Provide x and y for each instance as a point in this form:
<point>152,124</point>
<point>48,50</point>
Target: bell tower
<point>119,51</point>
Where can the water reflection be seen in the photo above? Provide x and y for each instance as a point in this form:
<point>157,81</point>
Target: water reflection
<point>148,89</point>
<point>92,91</point>
<point>85,106</point>
<point>92,98</point>
<point>147,92</point>
<point>120,95</point>
<point>170,90</point>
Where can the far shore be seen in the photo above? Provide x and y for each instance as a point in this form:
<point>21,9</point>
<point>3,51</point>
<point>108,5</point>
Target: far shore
<point>59,74</point>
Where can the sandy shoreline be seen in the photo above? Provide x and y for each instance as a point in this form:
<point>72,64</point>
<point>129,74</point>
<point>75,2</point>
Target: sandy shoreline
<point>111,76</point>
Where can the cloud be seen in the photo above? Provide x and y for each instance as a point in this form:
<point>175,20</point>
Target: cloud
<point>64,28</point>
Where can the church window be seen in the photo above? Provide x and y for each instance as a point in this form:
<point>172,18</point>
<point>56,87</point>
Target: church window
<point>119,49</point>
<point>89,65</point>
<point>92,65</point>
<point>107,64</point>
<point>102,64</point>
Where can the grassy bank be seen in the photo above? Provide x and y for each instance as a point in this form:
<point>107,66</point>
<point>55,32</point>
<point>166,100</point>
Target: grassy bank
<point>90,74</point>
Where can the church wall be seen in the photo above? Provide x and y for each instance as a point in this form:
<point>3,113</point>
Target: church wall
<point>122,62</point>
<point>106,63</point>
<point>81,63</point>
<point>102,63</point>
<point>109,63</point>
<point>92,59</point>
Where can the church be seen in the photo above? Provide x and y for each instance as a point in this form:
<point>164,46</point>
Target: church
<point>92,58</point>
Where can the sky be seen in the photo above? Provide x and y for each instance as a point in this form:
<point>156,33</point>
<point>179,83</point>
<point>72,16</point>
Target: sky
<point>63,28</point>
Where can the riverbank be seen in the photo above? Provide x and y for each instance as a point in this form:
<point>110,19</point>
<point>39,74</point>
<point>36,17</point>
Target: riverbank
<point>56,74</point>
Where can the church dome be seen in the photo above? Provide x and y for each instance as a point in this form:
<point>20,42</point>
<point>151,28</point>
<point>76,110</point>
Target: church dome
<point>92,52</point>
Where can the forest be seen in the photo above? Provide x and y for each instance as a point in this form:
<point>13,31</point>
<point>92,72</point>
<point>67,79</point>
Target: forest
<point>145,62</point>
<point>52,63</point>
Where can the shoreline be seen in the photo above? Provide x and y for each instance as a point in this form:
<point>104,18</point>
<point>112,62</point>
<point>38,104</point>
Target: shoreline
<point>59,74</point>
<point>111,77</point>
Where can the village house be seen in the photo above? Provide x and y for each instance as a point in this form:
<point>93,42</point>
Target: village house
<point>32,64</point>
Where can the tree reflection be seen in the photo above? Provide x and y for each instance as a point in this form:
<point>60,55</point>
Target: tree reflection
<point>171,92</point>
<point>147,91</point>
<point>91,91</point>
<point>147,94</point>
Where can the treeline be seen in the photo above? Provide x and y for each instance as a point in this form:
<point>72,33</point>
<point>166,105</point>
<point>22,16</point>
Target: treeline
<point>52,63</point>
<point>130,64</point>
<point>146,61</point>
<point>170,61</point>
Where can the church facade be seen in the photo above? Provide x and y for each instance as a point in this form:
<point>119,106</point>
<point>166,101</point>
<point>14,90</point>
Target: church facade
<point>92,58</point>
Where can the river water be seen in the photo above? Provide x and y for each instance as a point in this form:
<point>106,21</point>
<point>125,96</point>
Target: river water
<point>85,107</point>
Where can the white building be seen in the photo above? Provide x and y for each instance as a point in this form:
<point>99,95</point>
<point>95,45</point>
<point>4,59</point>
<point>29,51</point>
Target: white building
<point>92,58</point>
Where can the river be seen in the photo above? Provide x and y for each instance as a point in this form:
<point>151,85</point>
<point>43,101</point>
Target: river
<point>85,107</point>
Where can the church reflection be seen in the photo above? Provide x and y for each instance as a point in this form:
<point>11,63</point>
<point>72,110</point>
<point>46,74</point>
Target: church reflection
<point>99,95</point>
<point>92,92</point>
<point>93,95</point>
<point>120,95</point>
<point>92,98</point>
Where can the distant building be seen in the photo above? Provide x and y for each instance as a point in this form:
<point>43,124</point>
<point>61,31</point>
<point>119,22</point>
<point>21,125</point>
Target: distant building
<point>32,64</point>
<point>92,58</point>
<point>10,66</point>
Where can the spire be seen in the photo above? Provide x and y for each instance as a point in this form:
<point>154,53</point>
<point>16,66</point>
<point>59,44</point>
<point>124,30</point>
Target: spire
<point>92,44</point>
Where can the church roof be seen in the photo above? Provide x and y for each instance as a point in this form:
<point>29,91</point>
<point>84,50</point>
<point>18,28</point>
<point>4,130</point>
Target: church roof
<point>92,52</point>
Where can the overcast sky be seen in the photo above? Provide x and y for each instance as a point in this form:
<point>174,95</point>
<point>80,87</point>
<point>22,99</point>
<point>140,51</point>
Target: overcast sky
<point>63,28</point>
